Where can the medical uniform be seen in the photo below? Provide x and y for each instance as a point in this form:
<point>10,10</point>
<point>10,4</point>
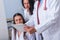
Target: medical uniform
<point>27,15</point>
<point>49,19</point>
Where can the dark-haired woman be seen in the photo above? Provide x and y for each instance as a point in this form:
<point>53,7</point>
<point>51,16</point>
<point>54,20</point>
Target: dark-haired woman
<point>17,35</point>
<point>28,8</point>
<point>28,12</point>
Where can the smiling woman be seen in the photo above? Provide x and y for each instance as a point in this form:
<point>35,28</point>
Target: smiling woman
<point>18,18</point>
<point>28,8</point>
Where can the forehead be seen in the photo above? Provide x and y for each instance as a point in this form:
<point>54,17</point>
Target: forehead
<point>25,1</point>
<point>18,17</point>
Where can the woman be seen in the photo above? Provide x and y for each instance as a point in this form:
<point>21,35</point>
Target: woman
<point>28,8</point>
<point>18,18</point>
<point>17,35</point>
<point>28,12</point>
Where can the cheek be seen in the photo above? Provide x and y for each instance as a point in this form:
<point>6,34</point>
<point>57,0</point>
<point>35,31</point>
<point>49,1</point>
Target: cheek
<point>21,21</point>
<point>25,5</point>
<point>16,21</point>
<point>28,5</point>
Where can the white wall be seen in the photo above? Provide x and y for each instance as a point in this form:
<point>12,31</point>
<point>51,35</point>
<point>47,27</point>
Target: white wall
<point>7,9</point>
<point>12,7</point>
<point>3,26</point>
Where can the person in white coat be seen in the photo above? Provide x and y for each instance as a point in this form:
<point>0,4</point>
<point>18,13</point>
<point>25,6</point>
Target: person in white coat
<point>46,20</point>
<point>28,9</point>
<point>28,12</point>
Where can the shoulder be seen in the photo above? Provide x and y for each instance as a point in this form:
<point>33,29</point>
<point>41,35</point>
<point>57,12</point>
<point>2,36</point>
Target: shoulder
<point>52,1</point>
<point>35,4</point>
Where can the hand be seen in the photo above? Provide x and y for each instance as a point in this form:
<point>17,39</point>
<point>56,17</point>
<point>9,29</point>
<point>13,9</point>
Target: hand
<point>30,29</point>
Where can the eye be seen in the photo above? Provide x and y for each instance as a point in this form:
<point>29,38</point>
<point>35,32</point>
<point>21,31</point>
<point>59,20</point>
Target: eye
<point>16,20</point>
<point>19,19</point>
<point>26,3</point>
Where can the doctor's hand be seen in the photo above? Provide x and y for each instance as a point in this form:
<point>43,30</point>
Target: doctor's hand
<point>29,29</point>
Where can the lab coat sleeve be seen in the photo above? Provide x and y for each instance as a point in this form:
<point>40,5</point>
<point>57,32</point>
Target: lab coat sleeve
<point>31,21</point>
<point>53,11</point>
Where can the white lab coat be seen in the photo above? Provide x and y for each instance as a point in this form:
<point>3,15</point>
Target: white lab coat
<point>49,20</point>
<point>26,15</point>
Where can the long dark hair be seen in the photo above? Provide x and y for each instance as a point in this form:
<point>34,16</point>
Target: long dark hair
<point>18,14</point>
<point>39,0</point>
<point>31,2</point>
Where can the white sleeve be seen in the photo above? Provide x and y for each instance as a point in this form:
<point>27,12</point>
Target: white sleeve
<point>53,12</point>
<point>31,21</point>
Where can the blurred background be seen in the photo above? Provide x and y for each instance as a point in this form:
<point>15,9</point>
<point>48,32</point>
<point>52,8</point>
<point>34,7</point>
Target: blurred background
<point>7,9</point>
<point>12,7</point>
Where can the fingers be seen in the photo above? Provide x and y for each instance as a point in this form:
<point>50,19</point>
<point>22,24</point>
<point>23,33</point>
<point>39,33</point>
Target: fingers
<point>29,29</point>
<point>26,28</point>
<point>32,30</point>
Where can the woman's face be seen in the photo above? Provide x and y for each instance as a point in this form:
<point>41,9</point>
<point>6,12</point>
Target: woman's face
<point>18,19</point>
<point>26,4</point>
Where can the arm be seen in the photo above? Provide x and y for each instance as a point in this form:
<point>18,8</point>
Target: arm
<point>31,21</point>
<point>53,10</point>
